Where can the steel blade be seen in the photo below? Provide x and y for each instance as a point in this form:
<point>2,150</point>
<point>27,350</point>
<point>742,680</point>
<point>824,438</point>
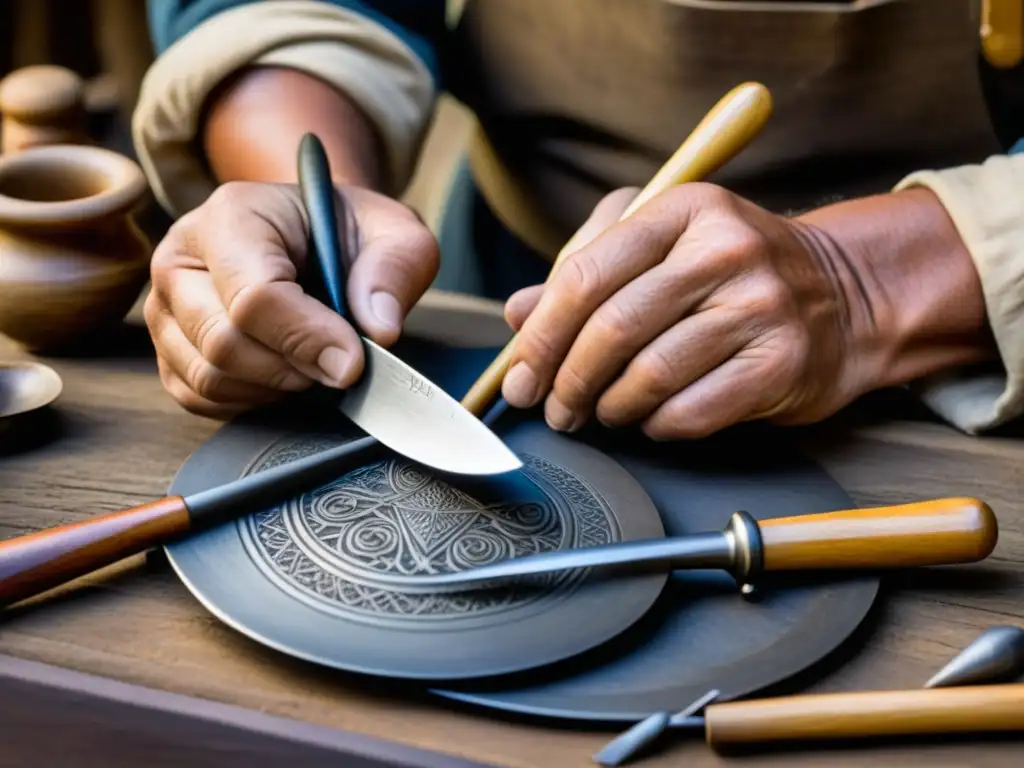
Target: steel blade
<point>416,418</point>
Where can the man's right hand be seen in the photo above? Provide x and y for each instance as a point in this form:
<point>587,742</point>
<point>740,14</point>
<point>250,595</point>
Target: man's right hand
<point>231,326</point>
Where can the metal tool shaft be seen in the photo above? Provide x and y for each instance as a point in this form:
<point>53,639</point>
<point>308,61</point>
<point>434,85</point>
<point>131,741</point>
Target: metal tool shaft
<point>276,485</point>
<point>735,549</point>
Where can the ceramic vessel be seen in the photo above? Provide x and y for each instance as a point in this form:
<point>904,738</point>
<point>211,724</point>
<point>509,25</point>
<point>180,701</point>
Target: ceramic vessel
<point>26,387</point>
<point>41,105</point>
<point>71,259</point>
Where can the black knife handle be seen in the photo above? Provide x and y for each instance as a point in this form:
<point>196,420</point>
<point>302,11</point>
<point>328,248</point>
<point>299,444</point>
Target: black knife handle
<point>325,264</point>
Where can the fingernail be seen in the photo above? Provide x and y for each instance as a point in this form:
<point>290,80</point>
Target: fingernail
<point>334,362</point>
<point>520,386</point>
<point>386,309</point>
<point>558,417</point>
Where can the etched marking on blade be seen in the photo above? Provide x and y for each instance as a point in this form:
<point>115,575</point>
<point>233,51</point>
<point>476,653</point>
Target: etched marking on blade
<point>416,418</point>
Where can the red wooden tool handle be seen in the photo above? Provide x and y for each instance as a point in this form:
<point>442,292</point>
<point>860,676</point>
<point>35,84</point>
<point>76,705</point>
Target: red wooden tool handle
<point>40,561</point>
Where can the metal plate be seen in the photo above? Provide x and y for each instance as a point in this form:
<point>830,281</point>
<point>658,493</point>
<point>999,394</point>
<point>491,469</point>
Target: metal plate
<point>300,577</point>
<point>701,634</point>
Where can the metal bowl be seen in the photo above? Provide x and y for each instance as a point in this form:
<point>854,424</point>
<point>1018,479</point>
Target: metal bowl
<point>27,387</point>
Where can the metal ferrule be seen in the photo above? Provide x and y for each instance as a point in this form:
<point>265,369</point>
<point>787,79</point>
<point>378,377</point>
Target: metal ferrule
<point>747,547</point>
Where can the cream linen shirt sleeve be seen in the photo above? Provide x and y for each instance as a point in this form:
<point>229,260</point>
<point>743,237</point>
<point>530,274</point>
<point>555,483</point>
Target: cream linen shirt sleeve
<point>986,204</point>
<point>376,69</point>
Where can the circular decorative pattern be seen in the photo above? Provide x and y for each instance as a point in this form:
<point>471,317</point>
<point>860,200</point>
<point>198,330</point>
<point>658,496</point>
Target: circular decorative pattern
<point>702,634</point>
<point>330,577</point>
<point>329,548</point>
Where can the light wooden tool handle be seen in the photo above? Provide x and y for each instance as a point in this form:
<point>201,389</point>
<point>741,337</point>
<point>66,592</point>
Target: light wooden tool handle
<point>32,564</point>
<point>736,119</point>
<point>939,532</point>
<point>974,709</point>
<point>1002,32</point>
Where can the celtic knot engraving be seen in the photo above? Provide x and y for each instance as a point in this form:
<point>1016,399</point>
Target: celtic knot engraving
<point>329,548</point>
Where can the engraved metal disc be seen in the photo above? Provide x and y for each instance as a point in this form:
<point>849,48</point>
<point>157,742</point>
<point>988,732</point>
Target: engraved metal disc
<point>702,634</point>
<point>303,577</point>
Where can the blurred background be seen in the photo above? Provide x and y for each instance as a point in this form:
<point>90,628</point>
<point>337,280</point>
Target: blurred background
<point>107,43</point>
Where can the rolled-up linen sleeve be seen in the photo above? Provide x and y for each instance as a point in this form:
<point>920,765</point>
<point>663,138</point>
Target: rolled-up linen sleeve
<point>385,69</point>
<point>986,204</point>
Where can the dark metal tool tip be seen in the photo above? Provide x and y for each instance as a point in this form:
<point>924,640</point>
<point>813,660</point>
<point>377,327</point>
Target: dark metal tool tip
<point>627,745</point>
<point>996,655</point>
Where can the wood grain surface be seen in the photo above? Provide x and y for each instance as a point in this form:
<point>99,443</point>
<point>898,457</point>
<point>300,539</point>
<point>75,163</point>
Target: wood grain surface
<point>114,440</point>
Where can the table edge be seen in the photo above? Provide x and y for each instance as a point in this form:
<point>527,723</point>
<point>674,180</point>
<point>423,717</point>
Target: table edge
<point>80,699</point>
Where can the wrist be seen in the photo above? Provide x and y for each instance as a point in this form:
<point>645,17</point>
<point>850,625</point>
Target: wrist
<point>915,301</point>
<point>251,129</point>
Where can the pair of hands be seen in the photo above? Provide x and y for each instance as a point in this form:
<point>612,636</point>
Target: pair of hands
<point>699,311</point>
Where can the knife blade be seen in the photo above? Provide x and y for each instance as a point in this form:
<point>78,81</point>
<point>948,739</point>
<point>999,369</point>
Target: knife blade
<point>936,532</point>
<point>392,401</point>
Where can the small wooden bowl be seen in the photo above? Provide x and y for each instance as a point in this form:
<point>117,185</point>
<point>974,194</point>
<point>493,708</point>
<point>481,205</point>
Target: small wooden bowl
<point>27,387</point>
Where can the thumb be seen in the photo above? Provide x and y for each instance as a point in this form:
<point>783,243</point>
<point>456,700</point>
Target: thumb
<point>397,261</point>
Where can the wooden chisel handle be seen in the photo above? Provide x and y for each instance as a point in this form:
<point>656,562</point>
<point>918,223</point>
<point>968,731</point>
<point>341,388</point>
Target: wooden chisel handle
<point>816,717</point>
<point>36,562</point>
<point>938,532</point>
<point>730,125</point>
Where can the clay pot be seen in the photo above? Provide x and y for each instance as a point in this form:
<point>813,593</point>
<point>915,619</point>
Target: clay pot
<point>71,259</point>
<point>42,105</point>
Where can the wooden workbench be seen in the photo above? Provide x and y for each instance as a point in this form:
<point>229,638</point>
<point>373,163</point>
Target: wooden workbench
<point>165,683</point>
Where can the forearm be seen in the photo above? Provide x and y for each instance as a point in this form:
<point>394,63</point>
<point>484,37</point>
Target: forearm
<point>244,80</point>
<point>252,126</point>
<point>912,274</point>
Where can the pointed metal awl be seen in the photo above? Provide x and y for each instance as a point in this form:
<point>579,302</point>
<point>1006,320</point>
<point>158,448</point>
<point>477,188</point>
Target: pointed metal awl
<point>627,745</point>
<point>996,655</point>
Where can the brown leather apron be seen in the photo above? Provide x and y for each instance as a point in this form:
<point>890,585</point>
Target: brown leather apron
<point>577,97</point>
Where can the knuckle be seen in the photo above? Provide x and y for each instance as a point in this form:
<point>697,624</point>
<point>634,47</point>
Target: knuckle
<point>617,321</point>
<point>151,309</point>
<point>577,278</point>
<point>299,344</point>
<point>767,298</point>
<point>571,387</point>
<point>707,192</point>
<point>741,247</point>
<point>702,195</point>
<point>217,339</point>
<point>749,241</point>
<point>536,346</point>
<point>230,195</point>
<point>162,264</point>
<point>203,378</point>
<point>249,303</point>
<point>654,371</point>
